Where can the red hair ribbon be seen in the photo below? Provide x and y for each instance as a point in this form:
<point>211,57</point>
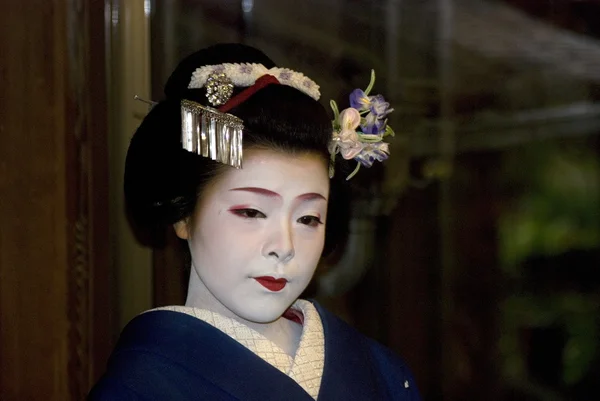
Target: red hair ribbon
<point>249,91</point>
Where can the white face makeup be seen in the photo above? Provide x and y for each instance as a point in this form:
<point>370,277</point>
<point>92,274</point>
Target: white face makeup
<point>257,236</point>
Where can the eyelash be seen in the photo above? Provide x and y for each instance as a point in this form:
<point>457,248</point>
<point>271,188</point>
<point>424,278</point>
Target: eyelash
<point>248,213</point>
<point>311,221</point>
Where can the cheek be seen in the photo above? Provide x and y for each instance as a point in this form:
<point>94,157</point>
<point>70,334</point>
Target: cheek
<point>309,246</point>
<point>222,239</point>
<point>208,243</point>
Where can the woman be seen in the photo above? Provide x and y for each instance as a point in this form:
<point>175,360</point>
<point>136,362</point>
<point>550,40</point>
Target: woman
<point>255,236</point>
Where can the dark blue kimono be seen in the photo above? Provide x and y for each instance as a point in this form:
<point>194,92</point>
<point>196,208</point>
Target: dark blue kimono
<point>164,355</point>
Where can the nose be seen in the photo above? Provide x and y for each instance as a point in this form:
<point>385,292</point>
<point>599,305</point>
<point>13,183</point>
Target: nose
<point>280,244</point>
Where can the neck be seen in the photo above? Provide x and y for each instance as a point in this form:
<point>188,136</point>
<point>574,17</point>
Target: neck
<point>283,332</point>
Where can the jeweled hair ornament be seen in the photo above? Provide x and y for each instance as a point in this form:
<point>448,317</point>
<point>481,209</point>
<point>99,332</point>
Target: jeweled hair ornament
<point>358,131</point>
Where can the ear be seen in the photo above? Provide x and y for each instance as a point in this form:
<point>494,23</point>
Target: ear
<point>181,229</point>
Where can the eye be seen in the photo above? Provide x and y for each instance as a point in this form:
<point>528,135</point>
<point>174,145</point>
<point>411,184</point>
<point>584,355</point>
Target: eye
<point>248,213</point>
<point>311,221</point>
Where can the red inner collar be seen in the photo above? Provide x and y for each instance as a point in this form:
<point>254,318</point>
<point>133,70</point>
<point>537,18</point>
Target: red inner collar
<point>294,315</point>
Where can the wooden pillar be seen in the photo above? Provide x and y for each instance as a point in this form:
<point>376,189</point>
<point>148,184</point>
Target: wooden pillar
<point>414,286</point>
<point>130,75</point>
<point>55,325</point>
<point>472,317</point>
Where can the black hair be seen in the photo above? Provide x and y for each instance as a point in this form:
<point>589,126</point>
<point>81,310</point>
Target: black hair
<point>163,181</point>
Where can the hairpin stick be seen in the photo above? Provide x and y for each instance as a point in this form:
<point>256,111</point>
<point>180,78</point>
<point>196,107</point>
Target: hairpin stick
<point>148,102</point>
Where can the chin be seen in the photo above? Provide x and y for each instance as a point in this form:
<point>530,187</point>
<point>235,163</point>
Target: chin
<point>263,313</point>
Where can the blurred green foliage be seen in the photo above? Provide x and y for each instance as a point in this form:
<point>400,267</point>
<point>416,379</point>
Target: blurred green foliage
<point>554,195</point>
<point>552,206</point>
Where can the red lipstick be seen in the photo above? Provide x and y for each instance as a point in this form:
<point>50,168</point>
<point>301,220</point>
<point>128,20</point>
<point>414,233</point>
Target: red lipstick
<point>271,283</point>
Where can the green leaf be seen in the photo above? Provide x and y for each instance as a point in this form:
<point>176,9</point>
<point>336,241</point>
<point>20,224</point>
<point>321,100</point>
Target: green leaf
<point>352,174</point>
<point>336,111</point>
<point>368,90</point>
<point>389,131</point>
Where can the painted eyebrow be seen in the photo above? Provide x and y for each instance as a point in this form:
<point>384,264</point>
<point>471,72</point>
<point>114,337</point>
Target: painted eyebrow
<point>271,194</point>
<point>311,196</point>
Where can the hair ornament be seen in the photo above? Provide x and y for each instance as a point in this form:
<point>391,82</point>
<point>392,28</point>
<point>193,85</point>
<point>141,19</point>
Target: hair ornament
<point>150,103</point>
<point>358,131</point>
<point>211,133</point>
<point>217,78</point>
<point>219,88</point>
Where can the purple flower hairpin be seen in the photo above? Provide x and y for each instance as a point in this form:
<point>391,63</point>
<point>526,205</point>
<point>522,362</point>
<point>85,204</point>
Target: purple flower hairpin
<point>358,131</point>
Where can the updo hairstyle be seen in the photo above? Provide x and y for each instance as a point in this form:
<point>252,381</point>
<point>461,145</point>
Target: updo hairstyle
<point>163,181</point>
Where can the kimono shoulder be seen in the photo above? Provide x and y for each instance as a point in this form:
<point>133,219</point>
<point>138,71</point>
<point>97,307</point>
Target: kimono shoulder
<point>164,355</point>
<point>359,368</point>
